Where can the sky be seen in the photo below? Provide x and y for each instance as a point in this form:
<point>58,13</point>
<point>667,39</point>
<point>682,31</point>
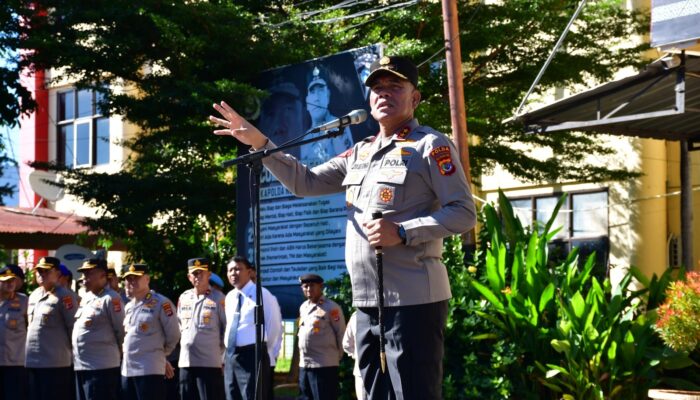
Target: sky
<point>10,138</point>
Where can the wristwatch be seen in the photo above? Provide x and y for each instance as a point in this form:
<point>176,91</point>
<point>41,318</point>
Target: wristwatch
<point>402,234</point>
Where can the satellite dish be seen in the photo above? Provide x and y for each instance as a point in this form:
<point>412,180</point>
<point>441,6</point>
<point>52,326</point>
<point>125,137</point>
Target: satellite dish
<point>72,256</point>
<point>39,181</point>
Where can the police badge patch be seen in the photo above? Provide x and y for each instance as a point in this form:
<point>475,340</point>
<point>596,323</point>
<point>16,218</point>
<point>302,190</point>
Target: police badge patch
<point>386,195</point>
<point>67,302</point>
<point>443,157</point>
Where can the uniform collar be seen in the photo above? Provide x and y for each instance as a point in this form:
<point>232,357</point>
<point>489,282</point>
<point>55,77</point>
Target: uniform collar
<point>320,302</point>
<point>248,290</point>
<point>399,135</point>
<point>402,134</point>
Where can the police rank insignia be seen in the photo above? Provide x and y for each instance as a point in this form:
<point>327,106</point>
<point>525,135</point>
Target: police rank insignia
<point>443,157</point>
<point>403,133</point>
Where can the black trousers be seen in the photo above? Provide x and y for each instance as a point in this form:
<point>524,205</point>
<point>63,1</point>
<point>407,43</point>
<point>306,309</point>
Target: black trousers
<point>415,337</point>
<point>51,383</point>
<point>319,383</point>
<point>201,383</point>
<point>13,383</point>
<point>239,374</point>
<point>147,387</point>
<point>98,384</point>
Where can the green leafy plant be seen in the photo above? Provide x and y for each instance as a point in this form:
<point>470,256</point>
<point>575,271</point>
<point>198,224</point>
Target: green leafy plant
<point>678,321</point>
<point>577,337</point>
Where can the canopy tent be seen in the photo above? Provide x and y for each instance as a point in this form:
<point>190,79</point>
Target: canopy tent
<point>660,102</point>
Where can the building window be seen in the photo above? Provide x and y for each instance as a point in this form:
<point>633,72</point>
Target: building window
<point>583,223</point>
<point>83,129</point>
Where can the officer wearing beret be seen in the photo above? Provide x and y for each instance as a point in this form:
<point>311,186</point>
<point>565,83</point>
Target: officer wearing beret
<point>321,330</point>
<point>239,358</point>
<point>51,312</point>
<point>412,174</point>
<point>13,334</point>
<point>98,335</point>
<point>152,332</point>
<point>200,311</point>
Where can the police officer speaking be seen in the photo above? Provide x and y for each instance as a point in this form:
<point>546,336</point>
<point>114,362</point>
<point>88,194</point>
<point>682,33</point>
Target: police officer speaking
<point>412,174</point>
<point>200,311</point>
<point>321,330</point>
<point>51,313</point>
<point>98,335</point>
<point>151,334</point>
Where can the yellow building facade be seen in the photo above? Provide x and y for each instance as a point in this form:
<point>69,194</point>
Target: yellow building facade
<point>635,222</point>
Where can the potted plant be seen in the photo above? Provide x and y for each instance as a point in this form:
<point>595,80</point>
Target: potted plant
<point>678,325</point>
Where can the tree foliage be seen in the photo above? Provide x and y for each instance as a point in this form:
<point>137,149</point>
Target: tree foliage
<point>174,59</point>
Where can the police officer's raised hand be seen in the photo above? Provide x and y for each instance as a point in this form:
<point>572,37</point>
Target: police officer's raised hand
<point>237,126</point>
<point>382,232</point>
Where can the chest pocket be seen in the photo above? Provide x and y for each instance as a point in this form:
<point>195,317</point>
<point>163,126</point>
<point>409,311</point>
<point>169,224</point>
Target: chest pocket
<point>389,189</point>
<point>352,183</point>
<point>146,322</point>
<point>89,315</point>
<point>12,321</point>
<point>319,325</point>
<point>47,313</point>
<point>206,319</point>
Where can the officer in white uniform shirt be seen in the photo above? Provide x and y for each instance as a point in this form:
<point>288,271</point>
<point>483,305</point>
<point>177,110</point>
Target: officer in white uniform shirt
<point>98,335</point>
<point>51,313</point>
<point>239,359</point>
<point>152,332</point>
<point>13,333</point>
<point>200,311</point>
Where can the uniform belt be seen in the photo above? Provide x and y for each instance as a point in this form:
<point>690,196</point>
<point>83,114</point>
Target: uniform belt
<point>249,347</point>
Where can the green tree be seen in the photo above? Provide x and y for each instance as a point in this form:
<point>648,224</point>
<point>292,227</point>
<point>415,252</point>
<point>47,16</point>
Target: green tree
<point>176,58</point>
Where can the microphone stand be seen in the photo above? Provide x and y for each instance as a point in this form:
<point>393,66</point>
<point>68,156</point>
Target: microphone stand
<point>254,161</point>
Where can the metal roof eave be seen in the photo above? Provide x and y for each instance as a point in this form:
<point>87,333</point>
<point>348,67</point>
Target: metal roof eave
<point>652,95</point>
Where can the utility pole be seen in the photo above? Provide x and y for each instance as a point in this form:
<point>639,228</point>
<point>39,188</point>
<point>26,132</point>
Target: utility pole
<point>455,79</point>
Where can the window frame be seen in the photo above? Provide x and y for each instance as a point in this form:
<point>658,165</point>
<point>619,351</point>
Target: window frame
<point>569,241</point>
<point>74,122</point>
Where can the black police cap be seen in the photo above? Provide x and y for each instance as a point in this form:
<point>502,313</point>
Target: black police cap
<point>48,263</point>
<point>11,271</point>
<point>134,269</point>
<point>310,278</point>
<point>402,67</point>
<point>93,263</point>
<point>198,264</point>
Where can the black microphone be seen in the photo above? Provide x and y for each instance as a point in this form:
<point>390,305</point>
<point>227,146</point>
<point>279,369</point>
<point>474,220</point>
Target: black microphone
<point>354,117</point>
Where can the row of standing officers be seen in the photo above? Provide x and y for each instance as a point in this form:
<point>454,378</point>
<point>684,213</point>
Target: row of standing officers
<point>118,346</point>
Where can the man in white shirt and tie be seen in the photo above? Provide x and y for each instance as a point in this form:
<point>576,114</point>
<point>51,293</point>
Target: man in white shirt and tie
<point>239,358</point>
